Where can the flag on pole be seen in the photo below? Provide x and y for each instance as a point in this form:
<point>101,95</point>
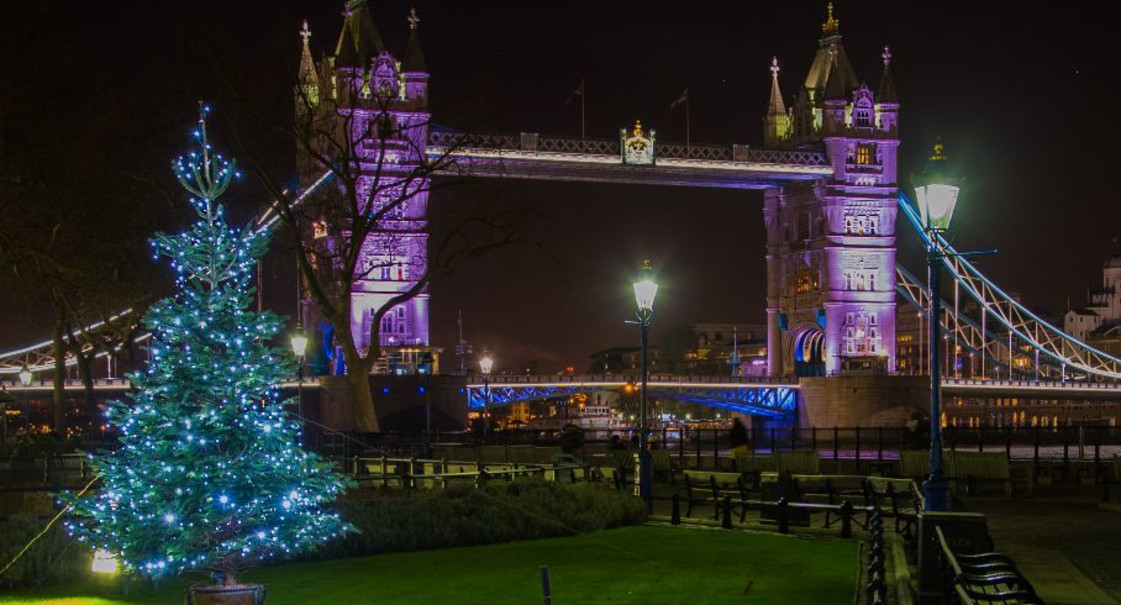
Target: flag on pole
<point>681,98</point>
<point>579,92</point>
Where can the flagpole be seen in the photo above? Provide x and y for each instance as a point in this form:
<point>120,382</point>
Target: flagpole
<point>688,139</point>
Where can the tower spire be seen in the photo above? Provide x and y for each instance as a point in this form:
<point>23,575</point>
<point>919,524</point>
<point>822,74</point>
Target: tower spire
<point>886,92</point>
<point>831,26</point>
<point>777,107</point>
<point>307,65</point>
<point>414,55</point>
<point>359,40</point>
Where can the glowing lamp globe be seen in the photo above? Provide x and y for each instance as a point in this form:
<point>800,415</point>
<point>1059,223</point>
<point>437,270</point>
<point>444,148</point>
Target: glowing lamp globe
<point>486,364</point>
<point>104,562</point>
<point>25,376</point>
<point>936,205</point>
<point>936,193</point>
<point>645,290</point>
<point>299,345</point>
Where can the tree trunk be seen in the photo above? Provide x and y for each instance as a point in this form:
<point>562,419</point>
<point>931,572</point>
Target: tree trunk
<point>85,372</point>
<point>59,423</point>
<point>358,373</point>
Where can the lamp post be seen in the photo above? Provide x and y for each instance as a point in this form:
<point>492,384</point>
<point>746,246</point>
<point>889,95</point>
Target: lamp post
<point>426,363</point>
<point>486,364</point>
<point>936,200</point>
<point>25,378</point>
<point>645,289</point>
<point>299,349</point>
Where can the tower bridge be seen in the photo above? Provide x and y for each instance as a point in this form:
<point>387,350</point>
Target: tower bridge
<point>827,173</point>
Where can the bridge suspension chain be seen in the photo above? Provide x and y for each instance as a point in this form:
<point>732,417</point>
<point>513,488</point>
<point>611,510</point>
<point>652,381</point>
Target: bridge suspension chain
<point>39,357</point>
<point>1028,327</point>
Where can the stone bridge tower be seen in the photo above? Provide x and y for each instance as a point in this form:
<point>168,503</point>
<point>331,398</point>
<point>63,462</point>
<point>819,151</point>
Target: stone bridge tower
<point>831,243</point>
<point>365,89</point>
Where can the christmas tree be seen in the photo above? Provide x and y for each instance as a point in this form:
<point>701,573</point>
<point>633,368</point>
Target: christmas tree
<point>209,475</point>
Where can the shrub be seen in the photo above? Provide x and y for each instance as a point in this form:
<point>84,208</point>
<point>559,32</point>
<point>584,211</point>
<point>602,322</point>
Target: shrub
<point>464,516</point>
<point>53,558</point>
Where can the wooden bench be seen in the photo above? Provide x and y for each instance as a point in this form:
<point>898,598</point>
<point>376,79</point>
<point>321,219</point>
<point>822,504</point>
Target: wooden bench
<point>661,464</point>
<point>750,462</point>
<point>798,462</point>
<point>711,488</point>
<point>971,468</point>
<point>983,578</point>
<point>914,464</point>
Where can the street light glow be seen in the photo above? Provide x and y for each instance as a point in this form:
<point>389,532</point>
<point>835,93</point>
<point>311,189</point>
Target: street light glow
<point>486,364</point>
<point>645,290</point>
<point>299,344</point>
<point>25,376</point>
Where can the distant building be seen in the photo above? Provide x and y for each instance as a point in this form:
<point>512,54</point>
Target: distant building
<point>1098,324</point>
<point>700,349</point>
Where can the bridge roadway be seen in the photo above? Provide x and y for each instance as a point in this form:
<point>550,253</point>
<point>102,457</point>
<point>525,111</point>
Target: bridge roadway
<point>756,396</point>
<point>531,156</point>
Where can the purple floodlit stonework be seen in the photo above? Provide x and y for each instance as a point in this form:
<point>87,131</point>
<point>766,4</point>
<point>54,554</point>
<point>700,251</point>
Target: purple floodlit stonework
<point>828,171</point>
<point>831,242</point>
<point>392,94</point>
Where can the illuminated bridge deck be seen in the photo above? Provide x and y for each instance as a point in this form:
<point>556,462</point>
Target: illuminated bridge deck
<point>756,396</point>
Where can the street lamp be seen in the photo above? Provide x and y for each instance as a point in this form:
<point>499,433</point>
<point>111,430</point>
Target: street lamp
<point>299,349</point>
<point>645,289</point>
<point>25,376</point>
<point>427,361</point>
<point>486,364</point>
<point>937,196</point>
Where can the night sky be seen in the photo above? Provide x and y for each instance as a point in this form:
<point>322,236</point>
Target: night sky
<point>1021,98</point>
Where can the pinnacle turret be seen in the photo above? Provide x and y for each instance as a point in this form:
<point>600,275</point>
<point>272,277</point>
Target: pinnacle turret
<point>414,54</point>
<point>886,91</point>
<point>359,41</point>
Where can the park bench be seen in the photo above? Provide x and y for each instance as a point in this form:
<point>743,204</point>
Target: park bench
<point>520,453</point>
<point>711,488</point>
<point>661,463</point>
<point>798,462</point>
<point>914,464</point>
<point>1111,477</point>
<point>459,453</point>
<point>983,578</point>
<point>492,453</point>
<point>972,468</point>
<point>756,464</point>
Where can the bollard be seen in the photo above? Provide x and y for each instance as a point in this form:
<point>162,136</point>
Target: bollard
<point>726,519</point>
<point>783,516</point>
<point>546,586</point>
<point>675,516</point>
<point>846,519</point>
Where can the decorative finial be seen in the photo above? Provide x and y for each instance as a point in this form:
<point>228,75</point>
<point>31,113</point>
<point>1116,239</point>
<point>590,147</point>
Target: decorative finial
<point>305,32</point>
<point>774,67</point>
<point>638,133</point>
<point>831,25</point>
<point>939,153</point>
<point>647,265</point>
<point>413,19</point>
<point>887,56</point>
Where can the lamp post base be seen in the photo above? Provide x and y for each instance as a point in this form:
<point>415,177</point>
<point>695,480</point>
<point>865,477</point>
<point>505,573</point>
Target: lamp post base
<point>936,491</point>
<point>645,479</point>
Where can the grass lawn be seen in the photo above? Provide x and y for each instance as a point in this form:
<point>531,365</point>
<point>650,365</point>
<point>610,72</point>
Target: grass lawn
<point>629,565</point>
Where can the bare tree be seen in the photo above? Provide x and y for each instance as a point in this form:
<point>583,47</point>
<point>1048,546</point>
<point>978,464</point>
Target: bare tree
<point>366,129</point>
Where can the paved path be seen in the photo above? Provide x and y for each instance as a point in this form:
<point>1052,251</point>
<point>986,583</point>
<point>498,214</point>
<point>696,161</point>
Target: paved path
<point>1065,544</point>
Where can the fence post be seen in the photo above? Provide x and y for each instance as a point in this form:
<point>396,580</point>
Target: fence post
<point>783,516</point>
<point>675,515</point>
<point>836,446</point>
<point>1008,442</point>
<point>858,450</point>
<point>546,586</point>
<point>726,514</point>
<point>1035,456</point>
<point>716,448</point>
<point>699,432</point>
<point>846,519</point>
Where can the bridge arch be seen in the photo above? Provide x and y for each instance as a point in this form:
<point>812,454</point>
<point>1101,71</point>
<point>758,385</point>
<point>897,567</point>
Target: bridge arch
<point>807,350</point>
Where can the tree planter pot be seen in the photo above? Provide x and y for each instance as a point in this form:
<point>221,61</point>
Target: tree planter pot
<point>218,594</point>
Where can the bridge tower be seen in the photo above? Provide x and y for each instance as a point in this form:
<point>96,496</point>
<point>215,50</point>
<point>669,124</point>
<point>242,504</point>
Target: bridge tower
<point>364,91</point>
<point>831,243</point>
